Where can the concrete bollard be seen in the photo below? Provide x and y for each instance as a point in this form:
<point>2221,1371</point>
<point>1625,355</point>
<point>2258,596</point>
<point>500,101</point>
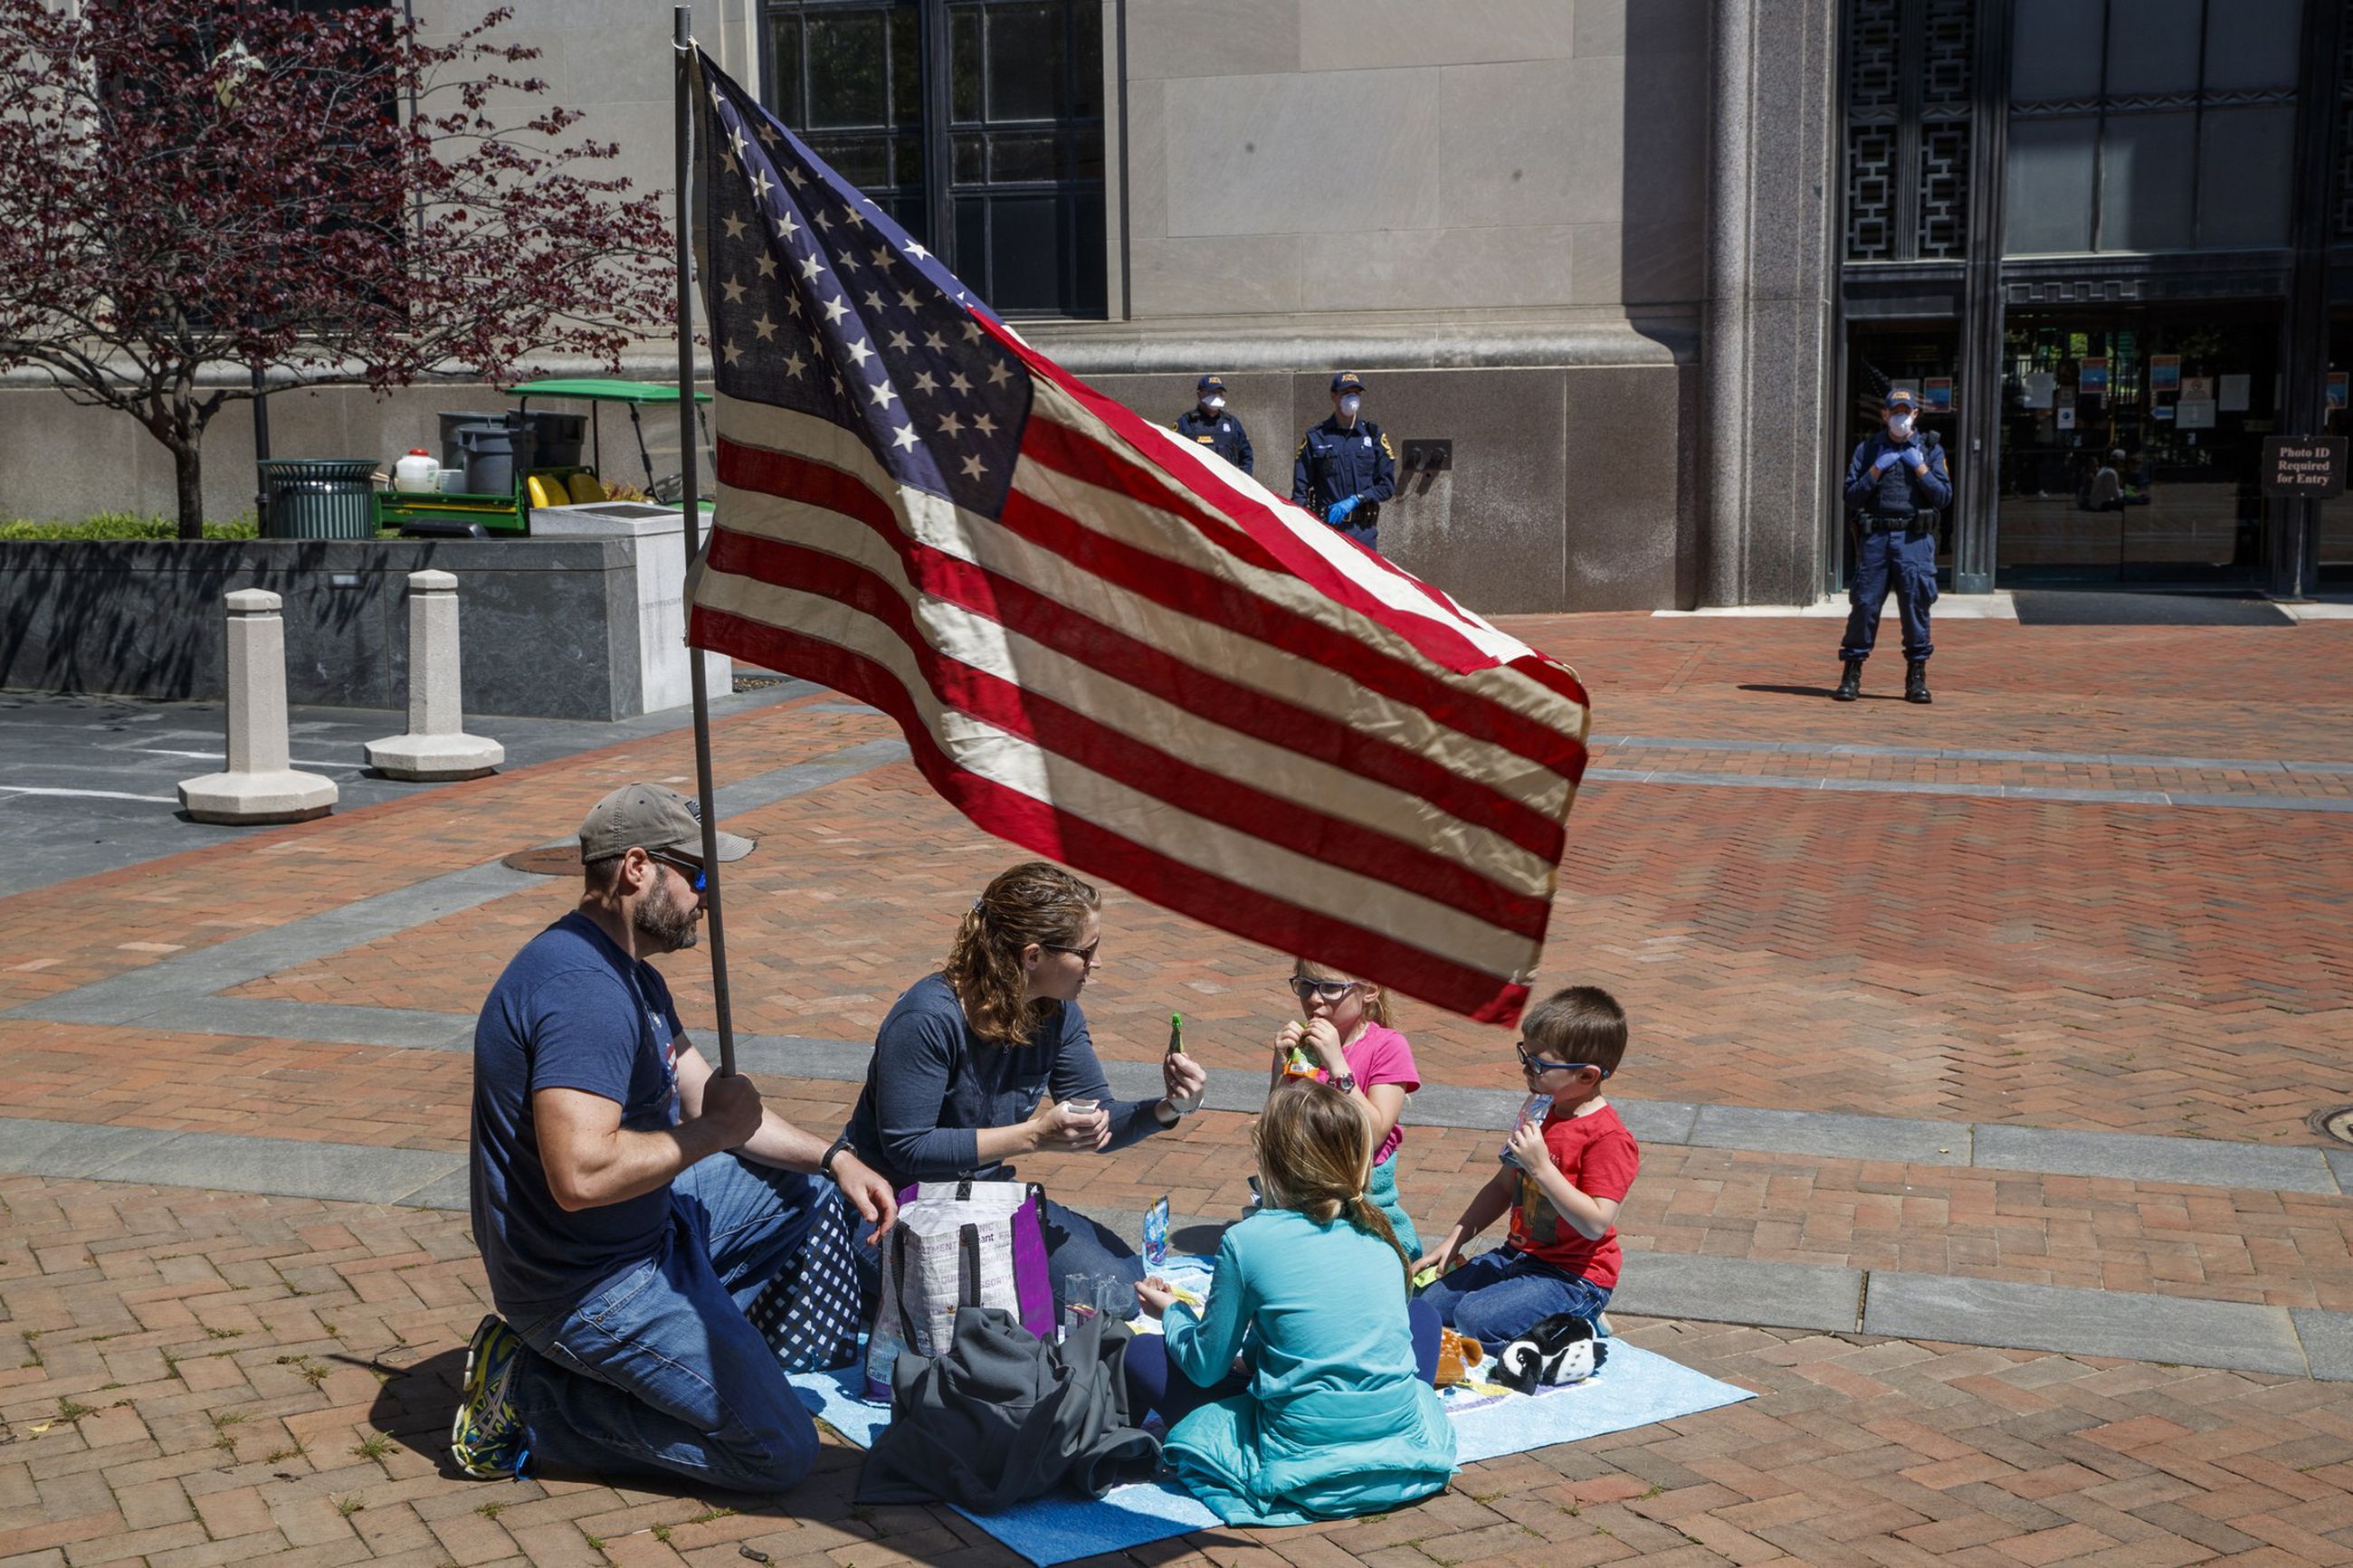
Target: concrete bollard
<point>436,747</point>
<point>258,784</point>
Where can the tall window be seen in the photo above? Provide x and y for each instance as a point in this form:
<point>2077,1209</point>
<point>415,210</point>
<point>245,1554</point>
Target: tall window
<point>849,78</point>
<point>2141,125</point>
<point>978,124</point>
<point>1908,128</point>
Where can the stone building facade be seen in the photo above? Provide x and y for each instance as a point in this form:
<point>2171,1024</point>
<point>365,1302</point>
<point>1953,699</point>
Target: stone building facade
<point>1587,244</point>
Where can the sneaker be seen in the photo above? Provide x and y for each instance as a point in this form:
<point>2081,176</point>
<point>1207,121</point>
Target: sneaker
<point>486,1439</point>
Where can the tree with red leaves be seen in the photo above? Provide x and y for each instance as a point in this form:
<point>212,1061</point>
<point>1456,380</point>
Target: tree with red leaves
<point>194,190</point>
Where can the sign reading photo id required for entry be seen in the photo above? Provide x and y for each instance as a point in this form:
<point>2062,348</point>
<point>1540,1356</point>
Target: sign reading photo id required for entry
<point>2312,465</point>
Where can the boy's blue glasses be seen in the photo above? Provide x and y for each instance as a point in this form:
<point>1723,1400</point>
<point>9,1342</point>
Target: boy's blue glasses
<point>1538,1064</point>
<point>696,876</point>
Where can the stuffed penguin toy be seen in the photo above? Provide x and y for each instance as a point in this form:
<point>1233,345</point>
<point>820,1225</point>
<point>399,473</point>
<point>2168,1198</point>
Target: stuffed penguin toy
<point>1561,1348</point>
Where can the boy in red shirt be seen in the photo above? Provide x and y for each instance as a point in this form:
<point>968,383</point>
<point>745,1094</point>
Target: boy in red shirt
<point>1564,1180</point>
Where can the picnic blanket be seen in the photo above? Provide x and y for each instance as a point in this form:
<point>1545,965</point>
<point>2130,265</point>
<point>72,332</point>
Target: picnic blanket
<point>1634,1388</point>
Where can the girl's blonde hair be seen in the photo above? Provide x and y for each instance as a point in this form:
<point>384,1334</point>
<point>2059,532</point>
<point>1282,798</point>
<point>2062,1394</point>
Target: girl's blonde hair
<point>1314,1148</point>
<point>1034,901</point>
<point>1377,1005</point>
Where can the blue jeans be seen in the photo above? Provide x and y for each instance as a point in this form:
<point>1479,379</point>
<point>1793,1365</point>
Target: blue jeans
<point>1906,561</point>
<point>1076,1247</point>
<point>1154,1385</point>
<point>1498,1296</point>
<point>658,1369</point>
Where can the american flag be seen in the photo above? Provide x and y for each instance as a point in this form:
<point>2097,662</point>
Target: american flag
<point>1104,644</point>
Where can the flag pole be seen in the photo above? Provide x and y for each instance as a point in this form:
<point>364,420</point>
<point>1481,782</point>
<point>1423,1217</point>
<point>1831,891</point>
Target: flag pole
<point>691,457</point>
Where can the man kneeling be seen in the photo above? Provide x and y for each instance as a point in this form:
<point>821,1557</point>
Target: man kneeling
<point>629,1203</point>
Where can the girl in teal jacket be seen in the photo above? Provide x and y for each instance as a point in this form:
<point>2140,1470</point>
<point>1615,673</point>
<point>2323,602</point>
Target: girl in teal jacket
<point>1334,1414</point>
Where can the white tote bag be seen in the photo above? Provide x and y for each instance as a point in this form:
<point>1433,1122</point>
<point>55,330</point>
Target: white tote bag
<point>958,1244</point>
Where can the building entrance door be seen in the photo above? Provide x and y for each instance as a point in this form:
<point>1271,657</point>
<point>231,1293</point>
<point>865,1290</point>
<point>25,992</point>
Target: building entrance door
<point>2336,519</point>
<point>1922,358</point>
<point>2130,442</point>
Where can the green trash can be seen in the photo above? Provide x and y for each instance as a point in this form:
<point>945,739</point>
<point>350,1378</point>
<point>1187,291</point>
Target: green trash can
<point>318,498</point>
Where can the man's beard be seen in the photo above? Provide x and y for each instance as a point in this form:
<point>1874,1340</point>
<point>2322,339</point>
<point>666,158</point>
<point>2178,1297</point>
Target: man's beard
<point>666,924</point>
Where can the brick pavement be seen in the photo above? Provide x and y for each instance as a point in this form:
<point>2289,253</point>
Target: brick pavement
<point>2206,691</point>
<point>195,1379</point>
<point>2040,963</point>
<point>121,920</point>
<point>224,1376</point>
<point>2285,1249</point>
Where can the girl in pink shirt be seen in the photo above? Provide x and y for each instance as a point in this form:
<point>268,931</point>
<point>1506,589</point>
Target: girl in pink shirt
<point>1343,1031</point>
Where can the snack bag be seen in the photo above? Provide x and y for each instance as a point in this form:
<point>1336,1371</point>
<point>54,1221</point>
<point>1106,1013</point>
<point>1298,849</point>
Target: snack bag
<point>1156,1235</point>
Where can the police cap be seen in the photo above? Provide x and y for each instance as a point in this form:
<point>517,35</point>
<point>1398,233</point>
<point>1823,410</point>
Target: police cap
<point>1210,383</point>
<point>1901,397</point>
<point>1347,381</point>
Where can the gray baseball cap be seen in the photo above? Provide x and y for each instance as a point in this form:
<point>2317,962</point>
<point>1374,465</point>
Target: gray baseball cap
<point>647,816</point>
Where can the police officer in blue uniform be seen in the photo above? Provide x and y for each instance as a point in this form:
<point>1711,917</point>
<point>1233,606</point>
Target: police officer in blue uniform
<point>1209,423</point>
<point>1897,484</point>
<point>1344,468</point>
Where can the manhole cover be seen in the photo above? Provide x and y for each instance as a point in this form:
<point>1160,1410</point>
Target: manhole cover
<point>2334,1121</point>
<point>559,861</point>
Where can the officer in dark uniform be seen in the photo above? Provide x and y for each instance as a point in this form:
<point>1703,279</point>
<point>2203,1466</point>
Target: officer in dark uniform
<point>1209,423</point>
<point>1895,483</point>
<point>1344,468</point>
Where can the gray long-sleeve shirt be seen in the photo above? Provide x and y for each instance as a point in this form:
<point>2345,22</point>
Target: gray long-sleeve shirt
<point>933,1083</point>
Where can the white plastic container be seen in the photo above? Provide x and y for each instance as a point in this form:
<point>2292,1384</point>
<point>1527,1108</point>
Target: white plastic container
<point>418,473</point>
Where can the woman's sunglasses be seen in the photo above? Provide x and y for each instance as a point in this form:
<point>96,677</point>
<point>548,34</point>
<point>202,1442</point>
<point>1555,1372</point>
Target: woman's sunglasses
<point>1329,992</point>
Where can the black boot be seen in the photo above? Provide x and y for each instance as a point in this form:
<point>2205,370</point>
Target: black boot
<point>1850,686</point>
<point>1915,681</point>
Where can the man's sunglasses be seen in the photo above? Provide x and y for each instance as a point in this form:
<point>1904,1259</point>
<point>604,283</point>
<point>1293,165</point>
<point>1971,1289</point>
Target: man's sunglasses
<point>1329,992</point>
<point>1083,955</point>
<point>696,876</point>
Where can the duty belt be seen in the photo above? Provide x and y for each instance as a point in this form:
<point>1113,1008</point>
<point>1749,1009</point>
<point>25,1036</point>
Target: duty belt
<point>1898,522</point>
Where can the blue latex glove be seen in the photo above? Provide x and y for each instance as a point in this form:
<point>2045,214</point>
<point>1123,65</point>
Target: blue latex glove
<point>1338,511</point>
<point>1887,461</point>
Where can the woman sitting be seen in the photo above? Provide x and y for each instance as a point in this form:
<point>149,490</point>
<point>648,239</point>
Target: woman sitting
<point>989,1058</point>
<point>1332,1415</point>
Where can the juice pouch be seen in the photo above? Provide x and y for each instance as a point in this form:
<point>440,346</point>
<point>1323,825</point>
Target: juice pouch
<point>1156,1235</point>
<point>1175,1034</point>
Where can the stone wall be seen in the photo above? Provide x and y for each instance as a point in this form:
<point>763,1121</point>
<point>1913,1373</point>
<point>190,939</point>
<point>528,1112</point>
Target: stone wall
<point>1564,490</point>
<point>549,628</point>
<point>1316,157</point>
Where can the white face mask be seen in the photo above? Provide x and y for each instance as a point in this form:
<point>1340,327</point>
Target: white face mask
<point>1900,427</point>
<point>1348,405</point>
<point>1215,403</point>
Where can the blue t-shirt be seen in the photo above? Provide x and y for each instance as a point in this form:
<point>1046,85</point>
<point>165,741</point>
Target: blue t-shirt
<point>933,1083</point>
<point>571,1010</point>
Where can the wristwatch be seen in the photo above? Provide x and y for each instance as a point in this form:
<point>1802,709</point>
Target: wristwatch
<point>825,1162</point>
<point>1346,1082</point>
